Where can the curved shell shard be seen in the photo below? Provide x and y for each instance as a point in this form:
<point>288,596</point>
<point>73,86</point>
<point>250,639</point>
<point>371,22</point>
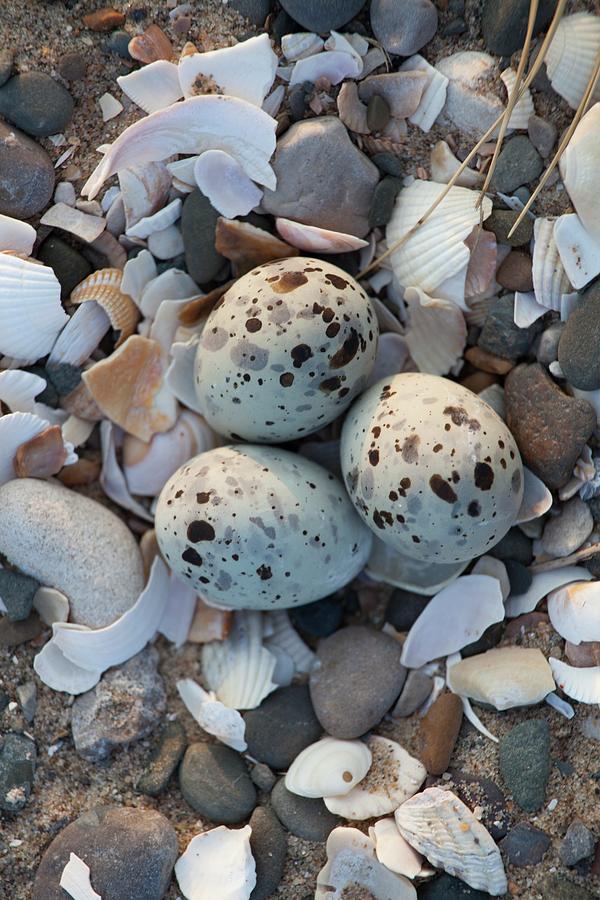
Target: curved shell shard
<point>334,65</point>
<point>352,866</point>
<point>284,636</point>
<point>580,168</point>
<point>311,238</point>
<point>104,287</point>
<point>213,716</point>
<point>574,611</point>
<point>246,70</point>
<point>523,108</point>
<point>571,56</point>
<point>31,314</point>
<point>217,863</point>
<point>433,98</point>
<point>550,281</point>
<point>504,677</point>
<point>152,87</point>
<point>582,684</point>
<point>16,429</point>
<point>541,585</point>
<point>16,235</point>
<point>221,178</point>
<point>328,768</point>
<point>428,318</point>
<point>393,851</point>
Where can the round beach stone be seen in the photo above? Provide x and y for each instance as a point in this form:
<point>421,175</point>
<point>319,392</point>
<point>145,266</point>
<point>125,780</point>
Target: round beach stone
<point>26,174</point>
<point>72,66</point>
<point>525,845</point>
<point>69,266</point>
<point>165,758</point>
<point>577,844</point>
<point>518,163</point>
<point>322,15</point>
<point>356,678</point>
<point>254,10</point>
<point>36,103</point>
<point>7,64</point>
<point>17,766</point>
<point>565,533</point>
<point>578,347</point>
<point>305,817</point>
<point>130,852</point>
<point>403,26</point>
<point>198,223</point>
<point>268,844</point>
<point>439,732</point>
<point>404,608</point>
<point>502,220</point>
<point>501,336</point>
<point>71,543</point>
<point>504,23</point>
<point>525,763</point>
<point>215,782</point>
<point>282,726</point>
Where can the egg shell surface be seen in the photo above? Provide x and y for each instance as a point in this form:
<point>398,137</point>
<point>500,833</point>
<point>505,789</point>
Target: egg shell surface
<point>431,468</point>
<point>255,527</point>
<point>285,351</point>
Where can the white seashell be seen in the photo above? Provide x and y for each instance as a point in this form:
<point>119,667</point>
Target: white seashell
<point>60,674</point>
<point>81,224</point>
<point>221,178</point>
<point>571,56</point>
<point>137,273</point>
<point>352,866</point>
<point>433,98</point>
<point>156,222</point>
<point>167,243</point>
<point>351,110</point>
<point>239,669</point>
<point>211,715</point>
<point>303,43</point>
<point>51,605</point>
<point>561,706</point>
<point>579,250</point>
<point>166,327</point>
<point>443,828</point>
<point>76,431</point>
<point>112,479</point>
<point>179,612</point>
<point>80,336</point>
<point>245,71</point>
<point>580,169</point>
<point>495,568</point>
<point>436,252</point>
<point>393,851</point>
<point>272,103</point>
<point>110,107</point>
<point>443,164</point>
<point>582,684</point>
<point>504,677</point>
<point>31,314</point>
<point>428,319</point>
<point>75,880</point>
<point>16,235</point>
<point>393,357</point>
<point>456,616</point>
<point>172,284</point>
<point>541,585</point>
<point>393,777</point>
<point>315,239</point>
<point>574,611</point>
<point>15,429</point>
<point>183,172</point>
<point>537,499</point>
<point>527,310</point>
<point>373,60</point>
<point>285,637</point>
<point>549,278</point>
<point>192,126</point>
<point>144,190</point>
<point>18,389</point>
<point>217,863</point>
<point>337,41</point>
<point>179,377</point>
<point>387,564</point>
<point>523,108</point>
<point>386,319</point>
<point>328,768</point>
<point>152,87</point>
<point>335,65</point>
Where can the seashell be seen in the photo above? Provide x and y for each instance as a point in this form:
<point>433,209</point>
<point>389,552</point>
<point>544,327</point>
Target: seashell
<point>158,221</point>
<point>579,250</point>
<point>386,319</point>
<point>172,284</point>
<point>85,227</point>
<point>456,616</point>
<point>526,309</point>
<point>436,252</point>
<point>60,674</point>
<point>16,429</point>
<point>129,388</point>
<point>112,479</point>
<point>443,164</point>
<point>433,97</point>
<point>248,246</point>
<point>571,56</point>
<point>167,327</point>
<point>537,499</point>
<point>81,403</point>
<point>574,611</point>
<point>504,677</point>
<point>523,108</point>
<point>16,235</point>
<point>209,623</point>
<point>561,706</point>
<point>179,377</point>
<point>137,273</point>
<point>402,91</point>
<point>80,336</point>
<point>482,264</point>
<point>182,171</point>
<point>109,246</point>
<point>221,178</point>
<point>549,278</point>
<point>192,126</point>
<point>144,190</point>
<point>429,318</point>
<point>445,831</point>
<point>393,357</point>
<point>335,66</point>
<point>214,717</point>
<point>51,605</point>
<point>239,669</point>
<point>31,314</point>
<point>328,768</point>
<point>319,240</point>
<point>245,71</point>
<point>351,110</point>
<point>372,60</point>
<point>389,565</point>
<point>152,87</point>
<point>104,288</point>
<point>541,585</point>
<point>341,42</point>
<point>352,867</point>
<point>393,851</point>
<point>285,637</point>
<point>75,880</point>
<point>110,107</point>
<point>43,455</point>
<point>179,612</point>
<point>18,389</point>
<point>151,45</point>
<point>167,243</point>
<point>393,777</point>
<point>272,103</point>
<point>578,684</point>
<point>580,169</point>
<point>217,863</point>
<point>303,43</point>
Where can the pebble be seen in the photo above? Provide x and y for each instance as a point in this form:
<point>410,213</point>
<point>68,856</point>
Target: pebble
<point>378,113</point>
<point>553,887</point>
<point>118,43</point>
<point>520,577</point>
<point>17,767</point>
<point>502,220</point>
<point>542,135</point>
<point>263,777</point>
<point>384,198</point>
<point>27,697</point>
<point>198,223</point>
<point>305,817</point>
<point>321,148</point>
<point>518,163</point>
<point>417,689</point>
<point>448,888</point>
<point>282,726</point>
<point>315,15</point>
<point>355,680</point>
<point>490,638</point>
<point>268,844</point>
<point>578,843</point>
<point>587,653</point>
<point>547,347</point>
<point>297,102</point>
<point>479,793</point>
<point>404,608</point>
<point>504,23</point>
<point>578,347</point>
<point>105,19</point>
<point>69,266</point>
<point>525,763</point>
<point>565,533</point>
<point>40,525</point>
<point>550,428</point>
<point>500,336</point>
<point>64,378</point>
<point>214,780</point>
<point>590,727</point>
<point>389,164</point>
<point>7,64</point>
<point>26,174</point>
<point>457,26</point>
<point>16,593</point>
<point>439,732</point>
<point>514,545</point>
<point>318,619</point>
<point>471,105</point>
<point>12,634</point>
<point>515,273</point>
<point>165,758</point>
<point>525,845</point>
<point>130,852</point>
<point>72,67</point>
<point>36,103</point>
<point>403,26</point>
<point>254,10</point>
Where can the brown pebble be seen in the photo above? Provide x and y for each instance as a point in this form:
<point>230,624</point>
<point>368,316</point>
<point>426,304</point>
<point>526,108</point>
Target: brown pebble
<point>515,273</point>
<point>439,732</point>
<point>14,633</point>
<point>150,46</point>
<point>72,67</point>
<point>84,471</point>
<point>182,24</point>
<point>583,655</point>
<point>106,19</point>
<point>527,622</point>
<point>478,381</point>
<point>42,455</point>
<point>488,362</point>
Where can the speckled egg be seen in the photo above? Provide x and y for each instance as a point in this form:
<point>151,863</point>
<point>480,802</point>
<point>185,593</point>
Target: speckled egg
<point>285,351</point>
<point>431,468</point>
<point>254,527</point>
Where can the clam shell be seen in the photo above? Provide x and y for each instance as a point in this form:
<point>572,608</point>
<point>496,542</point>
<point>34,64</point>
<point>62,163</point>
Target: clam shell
<point>351,110</point>
<point>580,168</point>
<point>75,879</point>
<point>443,829</point>
<point>104,287</point>
<point>387,564</point>
<point>541,585</point>
<point>550,281</point>
<point>303,43</point>
<point>328,768</point>
<point>221,178</point>
<point>433,97</point>
<point>352,867</point>
<point>537,499</point>
<point>334,65</point>
<point>311,238</point>
<point>154,86</point>
<point>503,677</point>
<point>284,636</point>
<point>18,389</point>
<point>158,221</point>
<point>393,777</point>
<point>443,164</point>
<point>217,863</point>
<point>579,684</point>
<point>16,235</point>
<point>31,314</point>
<point>579,251</point>
<point>214,717</point>
<point>523,108</point>
<point>574,611</point>
<point>112,479</point>
<point>428,319</point>
<point>393,851</point>
<point>571,56</point>
<point>246,70</point>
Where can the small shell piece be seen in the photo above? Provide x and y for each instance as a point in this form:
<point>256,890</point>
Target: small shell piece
<point>541,585</point>
<point>351,110</point>
<point>303,43</point>
<point>104,287</point>
<point>504,677</point>
<point>112,479</point>
<point>51,605</point>
<point>393,851</point>
<point>443,828</point>
<point>428,319</point>
<point>579,684</point>
<point>443,164</point>
<point>214,717</point>
<point>158,221</point>
<point>75,880</point>
<point>579,250</point>
<point>60,674</point>
<point>328,768</point>
<point>18,389</point>
<point>284,636</point>
<point>217,863</point>
<point>550,281</point>
<point>144,190</point>
<point>15,430</point>
<point>334,65</point>
<point>31,315</point>
<point>574,611</point>
<point>434,96</point>
<point>152,87</point>
<point>248,246</point>
<point>43,455</point>
<point>137,273</point>
<point>16,235</point>
<point>571,56</point>
<point>81,224</point>
<point>246,70</point>
<point>537,499</point>
<point>221,178</point>
<point>352,867</point>
<point>391,566</point>
<point>393,777</point>
<point>580,168</point>
<point>318,240</point>
<point>526,309</point>
<point>523,108</point>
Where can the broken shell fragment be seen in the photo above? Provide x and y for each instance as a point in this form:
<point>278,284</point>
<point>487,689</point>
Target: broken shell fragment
<point>580,168</point>
<point>351,110</point>
<point>303,43</point>
<point>104,287</point>
<point>443,165</point>
<point>433,97</point>
<point>221,178</point>
<point>523,108</point>
<point>428,318</point>
<point>51,605</point>
<point>579,684</point>
<point>75,880</point>
<point>16,235</point>
<point>537,499</point>
<point>217,863</point>
<point>60,674</point>
<point>571,56</point>
<point>541,585</point>
<point>284,636</point>
<point>246,70</point>
<point>152,87</point>
<point>247,246</point>
<point>84,226</point>
<point>318,240</point>
<point>393,851</point>
<point>579,250</point>
<point>42,455</point>
<point>144,191</point>
<point>158,221</point>
<point>16,429</point>
<point>503,677</point>
<point>334,65</point>
<point>151,45</point>
<point>352,866</point>
<point>31,314</point>
<point>574,611</point>
<point>328,768</point>
<point>213,716</point>
<point>112,479</point>
<point>550,281</point>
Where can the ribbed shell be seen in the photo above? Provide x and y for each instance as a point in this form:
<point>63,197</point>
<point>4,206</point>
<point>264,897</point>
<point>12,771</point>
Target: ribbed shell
<point>571,56</point>
<point>285,637</point>
<point>436,334</point>
<point>31,314</point>
<point>580,170</point>
<point>578,684</point>
<point>104,286</point>
<point>523,108</point>
<point>434,96</point>
<point>550,281</point>
<point>328,768</point>
<point>80,336</point>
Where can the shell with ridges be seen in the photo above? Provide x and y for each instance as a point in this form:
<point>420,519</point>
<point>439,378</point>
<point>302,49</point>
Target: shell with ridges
<point>580,169</point>
<point>18,389</point>
<point>80,336</point>
<point>523,108</point>
<point>285,636</point>
<point>571,56</point>
<point>31,314</point>
<point>104,287</point>
<point>504,677</point>
<point>303,43</point>
<point>328,768</point>
<point>428,318</point>
<point>550,281</point>
<point>434,96</point>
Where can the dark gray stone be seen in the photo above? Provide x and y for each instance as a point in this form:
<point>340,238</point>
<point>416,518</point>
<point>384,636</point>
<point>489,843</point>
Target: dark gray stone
<point>318,619</point>
<point>416,690</point>
<point>69,266</point>
<point>36,103</point>
<point>254,10</point>
<point>64,378</point>
<point>198,223</point>
<point>501,336</point>
<point>165,758</point>
<point>72,66</point>
<point>519,576</point>
<point>525,763</point>
<point>17,766</point>
<point>269,849</point>
<point>12,634</point>
<point>565,533</point>
<point>490,637</point>
<point>553,887</point>
<point>578,347</point>
<point>514,545</point>
<point>17,592</point>
<point>502,220</point>
<point>118,43</point>
<point>130,853</point>
<point>518,163</point>
<point>542,135</point>
<point>384,198</point>
<point>577,844</point>
<point>403,26</point>
<point>27,697</point>
<point>322,15</point>
<point>262,776</point>
<point>504,23</point>
<point>378,113</point>
<point>389,164</point>
<point>7,63</point>
<point>304,817</point>
<point>282,726</point>
<point>525,845</point>
<point>26,174</point>
<point>448,888</point>
<point>404,608</point>
<point>215,782</point>
<point>547,346</point>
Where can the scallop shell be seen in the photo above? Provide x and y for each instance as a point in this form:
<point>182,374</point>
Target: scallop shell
<point>311,238</point>
<point>436,252</point>
<point>245,71</point>
<point>16,235</point>
<point>579,251</point>
<point>579,684</point>
<point>428,319</point>
<point>31,314</point>
<point>523,108</point>
<point>303,43</point>
<point>443,164</point>
<point>574,611</point>
<point>580,169</point>
<point>537,499</point>
<point>284,636</point>
<point>217,863</point>
<point>75,880</point>
<point>158,221</point>
<point>393,777</point>
<point>239,669</point>
<point>443,829</point>
<point>504,677</point>
<point>571,56</point>
<point>328,768</point>
<point>352,867</point>
<point>104,287</point>
<point>541,585</point>
<point>214,717</point>
<point>154,86</point>
<point>433,98</point>
<point>80,336</point>
<point>18,389</point>
<point>550,281</point>
<point>221,178</point>
<point>389,565</point>
<point>393,851</point>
